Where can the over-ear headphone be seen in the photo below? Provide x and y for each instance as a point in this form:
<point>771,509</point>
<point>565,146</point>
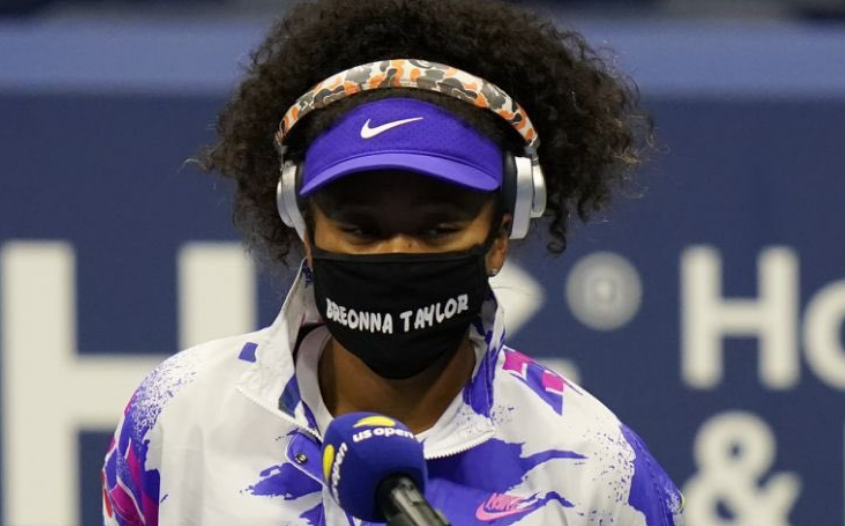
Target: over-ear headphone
<point>523,185</point>
<point>287,200</point>
<point>523,192</point>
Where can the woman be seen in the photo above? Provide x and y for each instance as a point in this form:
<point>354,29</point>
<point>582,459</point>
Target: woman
<point>409,133</point>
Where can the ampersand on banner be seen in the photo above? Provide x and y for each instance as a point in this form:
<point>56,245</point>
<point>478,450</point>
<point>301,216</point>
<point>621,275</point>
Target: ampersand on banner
<point>734,450</point>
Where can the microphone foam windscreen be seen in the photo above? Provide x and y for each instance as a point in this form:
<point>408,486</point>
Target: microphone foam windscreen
<point>360,450</point>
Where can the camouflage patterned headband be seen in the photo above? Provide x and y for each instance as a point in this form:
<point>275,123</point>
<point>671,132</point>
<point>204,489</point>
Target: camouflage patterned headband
<point>417,74</point>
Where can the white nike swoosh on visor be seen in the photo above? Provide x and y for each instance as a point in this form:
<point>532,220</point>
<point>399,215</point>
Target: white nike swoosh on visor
<point>369,133</point>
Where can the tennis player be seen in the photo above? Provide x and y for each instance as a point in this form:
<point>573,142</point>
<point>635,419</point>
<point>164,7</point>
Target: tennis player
<point>397,148</point>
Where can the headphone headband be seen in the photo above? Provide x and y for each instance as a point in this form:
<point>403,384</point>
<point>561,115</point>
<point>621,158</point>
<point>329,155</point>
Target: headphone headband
<point>523,184</point>
<point>415,74</point>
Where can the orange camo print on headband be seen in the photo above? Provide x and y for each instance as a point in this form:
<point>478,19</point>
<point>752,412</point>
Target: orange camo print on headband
<point>417,74</point>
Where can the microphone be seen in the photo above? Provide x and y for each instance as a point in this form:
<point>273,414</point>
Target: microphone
<point>375,469</point>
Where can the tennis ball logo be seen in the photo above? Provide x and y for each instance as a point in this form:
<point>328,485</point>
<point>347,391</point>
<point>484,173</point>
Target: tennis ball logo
<point>328,459</point>
<point>377,420</point>
<point>332,462</point>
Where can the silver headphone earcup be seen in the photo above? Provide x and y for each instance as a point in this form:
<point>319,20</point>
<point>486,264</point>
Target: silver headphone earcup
<point>524,198</point>
<point>286,202</point>
<point>538,203</point>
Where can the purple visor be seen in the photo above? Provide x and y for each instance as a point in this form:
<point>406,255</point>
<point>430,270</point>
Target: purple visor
<point>403,134</point>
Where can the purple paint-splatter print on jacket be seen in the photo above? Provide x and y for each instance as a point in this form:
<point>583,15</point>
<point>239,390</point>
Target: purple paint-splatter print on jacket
<point>219,435</point>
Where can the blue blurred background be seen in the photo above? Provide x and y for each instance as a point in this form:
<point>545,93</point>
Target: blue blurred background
<point>708,313</point>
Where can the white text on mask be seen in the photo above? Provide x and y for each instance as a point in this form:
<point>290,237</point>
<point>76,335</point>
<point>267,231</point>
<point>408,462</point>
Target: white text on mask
<point>415,319</point>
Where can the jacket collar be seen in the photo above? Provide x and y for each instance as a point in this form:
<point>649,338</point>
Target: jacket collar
<point>271,380</point>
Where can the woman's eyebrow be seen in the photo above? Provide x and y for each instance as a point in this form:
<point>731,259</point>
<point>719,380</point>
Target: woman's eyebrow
<point>351,215</point>
<point>353,212</point>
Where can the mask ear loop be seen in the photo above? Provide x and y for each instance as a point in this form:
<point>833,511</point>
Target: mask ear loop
<point>309,234</point>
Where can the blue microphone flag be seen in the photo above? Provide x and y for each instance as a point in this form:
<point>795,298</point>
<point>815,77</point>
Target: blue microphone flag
<point>360,450</point>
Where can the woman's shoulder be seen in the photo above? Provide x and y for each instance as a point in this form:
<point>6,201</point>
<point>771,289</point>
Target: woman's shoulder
<point>196,374</point>
<point>554,418</point>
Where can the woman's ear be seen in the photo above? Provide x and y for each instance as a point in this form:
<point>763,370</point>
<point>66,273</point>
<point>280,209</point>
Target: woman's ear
<point>498,252</point>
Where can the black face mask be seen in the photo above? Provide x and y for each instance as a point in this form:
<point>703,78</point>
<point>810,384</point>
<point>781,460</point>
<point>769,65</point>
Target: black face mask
<point>399,313</point>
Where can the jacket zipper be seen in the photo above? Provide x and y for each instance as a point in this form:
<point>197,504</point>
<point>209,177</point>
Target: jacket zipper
<point>462,448</point>
<point>448,453</point>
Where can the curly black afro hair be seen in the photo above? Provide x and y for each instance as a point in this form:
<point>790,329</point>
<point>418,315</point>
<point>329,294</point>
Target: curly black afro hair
<point>587,115</point>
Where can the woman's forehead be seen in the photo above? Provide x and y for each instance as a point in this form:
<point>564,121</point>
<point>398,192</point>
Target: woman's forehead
<point>390,189</point>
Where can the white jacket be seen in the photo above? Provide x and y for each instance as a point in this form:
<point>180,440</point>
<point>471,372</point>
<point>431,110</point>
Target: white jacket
<point>220,435</point>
